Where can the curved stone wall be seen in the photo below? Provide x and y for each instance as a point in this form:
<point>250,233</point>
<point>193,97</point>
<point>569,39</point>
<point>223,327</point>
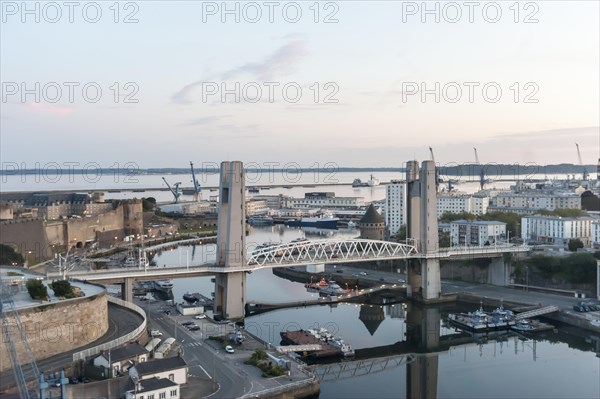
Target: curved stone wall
<point>58,327</point>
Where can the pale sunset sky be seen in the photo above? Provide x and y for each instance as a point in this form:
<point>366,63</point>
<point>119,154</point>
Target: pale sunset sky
<point>360,65</point>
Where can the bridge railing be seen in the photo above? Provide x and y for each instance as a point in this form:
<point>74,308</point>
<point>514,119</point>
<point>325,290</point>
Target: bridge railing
<point>82,355</point>
<point>281,388</point>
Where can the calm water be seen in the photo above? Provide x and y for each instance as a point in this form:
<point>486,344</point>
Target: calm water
<point>126,183</point>
<point>558,364</point>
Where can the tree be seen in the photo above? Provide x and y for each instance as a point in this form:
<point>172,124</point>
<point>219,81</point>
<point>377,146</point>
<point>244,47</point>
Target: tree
<point>401,233</point>
<point>8,256</point>
<point>444,238</point>
<point>574,244</point>
<point>62,288</point>
<point>148,204</point>
<point>36,289</point>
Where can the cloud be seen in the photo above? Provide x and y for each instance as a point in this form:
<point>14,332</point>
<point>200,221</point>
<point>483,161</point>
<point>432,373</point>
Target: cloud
<point>555,133</point>
<point>206,120</point>
<point>281,62</point>
<point>49,108</point>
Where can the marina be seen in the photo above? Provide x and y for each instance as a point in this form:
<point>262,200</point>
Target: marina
<point>331,346</point>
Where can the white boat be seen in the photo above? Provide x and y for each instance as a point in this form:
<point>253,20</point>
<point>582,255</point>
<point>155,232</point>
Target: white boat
<point>163,285</point>
<point>372,182</point>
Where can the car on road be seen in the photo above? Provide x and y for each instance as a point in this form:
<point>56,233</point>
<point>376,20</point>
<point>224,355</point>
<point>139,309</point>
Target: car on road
<point>229,349</point>
<point>401,280</point>
<point>381,279</point>
<point>200,316</point>
<point>363,273</point>
<point>339,271</point>
<point>155,333</point>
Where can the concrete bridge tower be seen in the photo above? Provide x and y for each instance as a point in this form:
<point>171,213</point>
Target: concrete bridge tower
<point>230,288</point>
<point>422,227</point>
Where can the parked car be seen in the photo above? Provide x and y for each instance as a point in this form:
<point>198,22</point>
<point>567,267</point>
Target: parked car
<point>190,326</point>
<point>401,280</point>
<point>200,316</point>
<point>229,349</point>
<point>73,380</point>
<point>578,308</point>
<point>194,328</point>
<point>339,271</point>
<point>187,323</point>
<point>363,273</point>
<point>381,279</point>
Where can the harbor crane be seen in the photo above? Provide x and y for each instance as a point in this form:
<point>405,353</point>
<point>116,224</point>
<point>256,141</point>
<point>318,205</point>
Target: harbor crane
<point>438,179</point>
<point>197,188</point>
<point>585,172</point>
<point>174,191</point>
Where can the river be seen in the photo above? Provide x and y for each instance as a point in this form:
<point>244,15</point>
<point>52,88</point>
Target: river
<point>450,364</point>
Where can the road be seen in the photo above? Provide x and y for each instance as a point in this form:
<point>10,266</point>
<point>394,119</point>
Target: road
<point>206,359</point>
<point>120,322</point>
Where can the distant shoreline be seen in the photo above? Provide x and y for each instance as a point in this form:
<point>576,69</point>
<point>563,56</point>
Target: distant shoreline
<point>455,170</point>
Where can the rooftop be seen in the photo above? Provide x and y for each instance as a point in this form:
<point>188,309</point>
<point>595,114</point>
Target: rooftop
<point>159,365</point>
<point>151,384</point>
<point>371,216</point>
<point>125,352</point>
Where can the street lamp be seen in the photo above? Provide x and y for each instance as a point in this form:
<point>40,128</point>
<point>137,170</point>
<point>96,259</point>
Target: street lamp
<point>527,278</point>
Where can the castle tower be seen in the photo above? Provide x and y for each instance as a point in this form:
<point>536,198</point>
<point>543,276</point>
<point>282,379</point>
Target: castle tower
<point>371,225</point>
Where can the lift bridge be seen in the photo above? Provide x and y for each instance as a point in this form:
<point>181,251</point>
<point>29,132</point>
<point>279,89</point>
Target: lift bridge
<point>24,367</point>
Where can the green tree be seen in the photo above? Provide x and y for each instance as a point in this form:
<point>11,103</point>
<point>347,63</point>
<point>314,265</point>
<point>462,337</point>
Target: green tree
<point>448,217</point>
<point>62,288</point>
<point>574,244</point>
<point>401,233</point>
<point>148,204</point>
<point>36,289</point>
<point>9,256</point>
<point>444,238</point>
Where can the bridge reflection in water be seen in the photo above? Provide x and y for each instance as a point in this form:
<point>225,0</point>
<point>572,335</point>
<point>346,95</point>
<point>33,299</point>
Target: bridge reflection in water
<point>426,336</point>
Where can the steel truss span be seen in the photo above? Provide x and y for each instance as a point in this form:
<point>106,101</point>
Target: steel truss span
<point>350,369</point>
<point>329,251</point>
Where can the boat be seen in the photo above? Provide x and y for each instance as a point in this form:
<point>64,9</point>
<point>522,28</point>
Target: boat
<point>163,285</point>
<point>260,221</point>
<point>530,326</point>
<point>479,320</point>
<point>331,346</point>
<point>332,289</point>
<point>189,297</point>
<point>358,183</point>
<point>254,190</point>
<point>323,222</point>
<point>372,182</point>
<point>351,224</point>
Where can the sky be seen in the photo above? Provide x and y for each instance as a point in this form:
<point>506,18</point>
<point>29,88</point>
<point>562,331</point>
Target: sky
<point>353,83</point>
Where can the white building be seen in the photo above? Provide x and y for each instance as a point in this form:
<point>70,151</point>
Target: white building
<point>596,234</point>
<point>256,207</point>
<point>121,359</point>
<point>456,203</point>
<point>395,206</point>
<point>174,368</point>
<point>325,200</point>
<point>477,233</point>
<point>556,229</point>
<point>537,201</point>
<point>152,388</point>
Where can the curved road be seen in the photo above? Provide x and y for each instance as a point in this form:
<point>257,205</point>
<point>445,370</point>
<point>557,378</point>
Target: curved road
<point>120,322</point>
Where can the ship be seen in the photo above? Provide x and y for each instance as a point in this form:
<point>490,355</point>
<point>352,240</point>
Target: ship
<point>261,221</point>
<point>480,321</point>
<point>332,289</point>
<point>326,222</point>
<point>163,285</point>
<point>358,183</point>
<point>330,346</point>
<point>254,190</point>
<point>372,182</point>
